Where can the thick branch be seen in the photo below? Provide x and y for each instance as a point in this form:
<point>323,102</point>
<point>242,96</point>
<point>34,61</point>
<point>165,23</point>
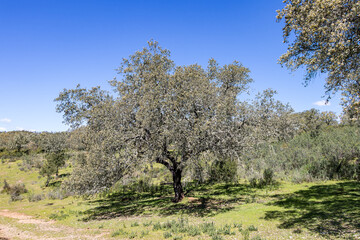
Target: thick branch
<point>165,163</point>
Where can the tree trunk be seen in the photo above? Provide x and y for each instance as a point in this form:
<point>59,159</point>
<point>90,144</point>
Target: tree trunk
<point>47,181</point>
<point>177,174</point>
<point>178,190</point>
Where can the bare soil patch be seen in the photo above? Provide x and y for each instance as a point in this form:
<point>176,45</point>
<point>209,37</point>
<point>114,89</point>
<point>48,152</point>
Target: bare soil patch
<point>45,228</point>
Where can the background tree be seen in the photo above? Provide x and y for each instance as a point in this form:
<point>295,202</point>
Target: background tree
<point>54,145</point>
<point>19,141</point>
<point>164,114</point>
<point>328,118</point>
<point>272,119</point>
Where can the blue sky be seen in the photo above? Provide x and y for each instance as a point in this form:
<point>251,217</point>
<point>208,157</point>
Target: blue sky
<point>49,45</point>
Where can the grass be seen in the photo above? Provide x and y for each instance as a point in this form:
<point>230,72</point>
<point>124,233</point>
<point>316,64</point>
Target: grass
<point>323,210</point>
<point>331,210</point>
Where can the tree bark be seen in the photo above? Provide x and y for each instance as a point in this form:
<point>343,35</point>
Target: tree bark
<point>178,189</point>
<point>177,174</point>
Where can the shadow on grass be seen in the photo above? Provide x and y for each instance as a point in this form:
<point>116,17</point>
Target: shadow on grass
<point>330,210</point>
<point>202,201</point>
<point>58,180</point>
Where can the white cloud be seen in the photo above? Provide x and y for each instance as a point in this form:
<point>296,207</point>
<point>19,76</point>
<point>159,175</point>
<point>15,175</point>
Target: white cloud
<point>5,120</point>
<point>20,129</point>
<point>2,129</point>
<point>322,103</point>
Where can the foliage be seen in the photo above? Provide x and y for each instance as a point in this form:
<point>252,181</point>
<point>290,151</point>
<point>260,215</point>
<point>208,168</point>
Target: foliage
<point>57,194</point>
<point>326,39</point>
<point>312,120</point>
<point>35,197</point>
<point>223,170</point>
<point>18,141</point>
<point>14,191</point>
<point>332,153</point>
<point>163,114</point>
<point>266,180</point>
<point>11,155</point>
<point>53,142</point>
<point>54,146</point>
<point>6,187</point>
<point>351,105</point>
<point>271,119</point>
<point>268,177</point>
<point>15,144</point>
<point>53,162</point>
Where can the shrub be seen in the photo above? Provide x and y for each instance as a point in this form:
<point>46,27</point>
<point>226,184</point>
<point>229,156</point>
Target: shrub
<point>35,197</point>
<point>238,226</point>
<point>57,194</point>
<point>156,226</point>
<point>252,228</point>
<point>10,154</point>
<point>223,170</point>
<point>15,191</point>
<point>167,235</point>
<point>208,228</point>
<point>6,187</point>
<point>193,231</point>
<point>226,230</point>
<point>268,176</point>
<point>253,182</point>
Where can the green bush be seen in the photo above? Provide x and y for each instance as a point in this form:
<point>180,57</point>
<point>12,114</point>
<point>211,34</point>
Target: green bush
<point>223,170</point>
<point>332,153</point>
<point>268,176</point>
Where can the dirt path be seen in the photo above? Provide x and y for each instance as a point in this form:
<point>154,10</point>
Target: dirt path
<point>45,230</point>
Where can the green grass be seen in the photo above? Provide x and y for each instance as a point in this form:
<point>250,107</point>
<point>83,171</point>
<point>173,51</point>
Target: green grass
<point>323,210</point>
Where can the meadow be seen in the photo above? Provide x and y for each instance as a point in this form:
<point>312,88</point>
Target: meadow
<point>283,210</point>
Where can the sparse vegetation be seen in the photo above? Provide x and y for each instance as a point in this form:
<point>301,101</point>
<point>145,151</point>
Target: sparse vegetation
<point>209,211</point>
<point>15,190</point>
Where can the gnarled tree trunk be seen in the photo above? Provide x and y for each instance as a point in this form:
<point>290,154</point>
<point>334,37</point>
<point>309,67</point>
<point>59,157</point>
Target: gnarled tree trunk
<point>176,172</point>
<point>178,189</point>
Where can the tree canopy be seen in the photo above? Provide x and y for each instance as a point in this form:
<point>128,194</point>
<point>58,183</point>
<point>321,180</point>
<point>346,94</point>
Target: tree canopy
<point>324,37</point>
<point>161,113</point>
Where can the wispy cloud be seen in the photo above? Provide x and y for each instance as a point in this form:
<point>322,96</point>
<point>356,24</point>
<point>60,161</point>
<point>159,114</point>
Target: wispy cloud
<point>2,129</point>
<point>5,120</point>
<point>322,103</point>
